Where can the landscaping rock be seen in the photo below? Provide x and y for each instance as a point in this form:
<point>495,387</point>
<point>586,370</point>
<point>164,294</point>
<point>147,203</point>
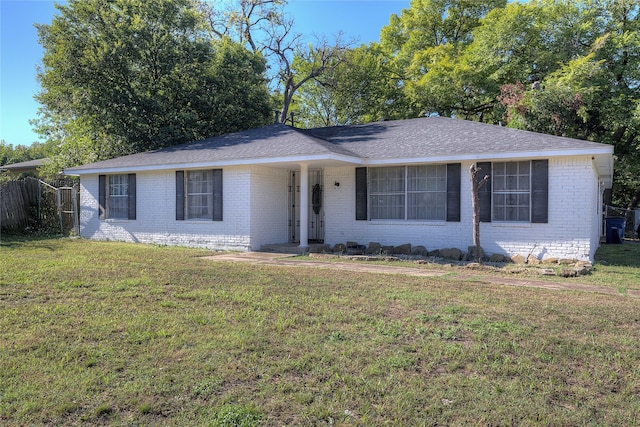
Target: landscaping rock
<point>471,250</point>
<point>533,260</point>
<point>451,253</point>
<point>583,267</point>
<point>319,249</point>
<point>356,249</point>
<point>419,251</point>
<point>404,249</point>
<point>550,261</point>
<point>386,250</point>
<point>435,253</point>
<point>374,248</point>
<point>339,248</point>
<point>517,259</point>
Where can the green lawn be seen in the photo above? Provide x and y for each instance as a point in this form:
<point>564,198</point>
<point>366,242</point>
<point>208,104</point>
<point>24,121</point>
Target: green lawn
<point>122,334</point>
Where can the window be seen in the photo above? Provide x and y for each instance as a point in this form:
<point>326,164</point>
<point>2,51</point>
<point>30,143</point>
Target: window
<point>117,196</point>
<point>511,191</point>
<point>387,193</point>
<point>516,192</point>
<point>426,192</point>
<point>199,195</point>
<point>411,192</point>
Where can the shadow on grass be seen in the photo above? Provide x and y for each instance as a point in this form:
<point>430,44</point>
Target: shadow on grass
<point>626,254</point>
<point>14,239</point>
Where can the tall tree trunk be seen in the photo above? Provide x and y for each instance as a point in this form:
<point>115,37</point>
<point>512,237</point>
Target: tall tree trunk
<point>475,205</point>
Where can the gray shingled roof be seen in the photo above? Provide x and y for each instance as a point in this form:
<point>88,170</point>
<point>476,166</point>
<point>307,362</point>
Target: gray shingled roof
<point>421,138</point>
<point>29,164</point>
<point>274,141</point>
<point>441,137</point>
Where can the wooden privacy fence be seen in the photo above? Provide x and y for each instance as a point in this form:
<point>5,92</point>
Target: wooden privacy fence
<point>17,201</point>
<point>32,203</point>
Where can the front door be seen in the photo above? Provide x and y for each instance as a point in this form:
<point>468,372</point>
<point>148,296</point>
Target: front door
<point>316,209</point>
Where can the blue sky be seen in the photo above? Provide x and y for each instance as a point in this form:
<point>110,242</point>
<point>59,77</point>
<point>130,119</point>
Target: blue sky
<point>20,52</point>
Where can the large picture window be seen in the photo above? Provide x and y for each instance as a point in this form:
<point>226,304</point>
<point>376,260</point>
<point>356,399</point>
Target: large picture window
<point>408,193</point>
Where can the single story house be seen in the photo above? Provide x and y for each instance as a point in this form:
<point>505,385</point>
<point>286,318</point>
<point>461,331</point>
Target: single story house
<point>392,182</point>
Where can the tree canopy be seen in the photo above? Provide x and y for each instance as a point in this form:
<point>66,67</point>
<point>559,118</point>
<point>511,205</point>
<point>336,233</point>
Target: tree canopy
<point>10,154</point>
<point>263,26</point>
<point>131,75</point>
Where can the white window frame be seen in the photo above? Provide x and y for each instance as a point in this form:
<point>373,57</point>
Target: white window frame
<point>511,200</point>
<point>117,196</point>
<point>198,201</point>
<point>430,182</point>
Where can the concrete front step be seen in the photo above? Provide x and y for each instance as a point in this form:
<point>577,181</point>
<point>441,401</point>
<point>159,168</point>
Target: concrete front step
<point>293,248</point>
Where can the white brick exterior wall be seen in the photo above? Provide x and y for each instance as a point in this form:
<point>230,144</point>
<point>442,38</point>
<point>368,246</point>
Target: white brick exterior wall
<point>269,200</point>
<point>573,229</point>
<point>156,214</point>
<point>255,213</point>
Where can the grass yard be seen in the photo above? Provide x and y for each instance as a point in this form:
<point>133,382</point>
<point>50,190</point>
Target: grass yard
<point>120,334</point>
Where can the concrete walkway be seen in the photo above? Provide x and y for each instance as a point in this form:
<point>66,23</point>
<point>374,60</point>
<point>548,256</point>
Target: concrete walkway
<point>459,273</point>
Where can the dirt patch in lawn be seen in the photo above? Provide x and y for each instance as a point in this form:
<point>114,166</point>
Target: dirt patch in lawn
<point>285,260</point>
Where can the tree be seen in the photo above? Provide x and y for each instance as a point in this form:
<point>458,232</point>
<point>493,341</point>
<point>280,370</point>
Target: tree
<point>129,75</point>
<point>428,42</point>
<point>589,86</point>
<point>263,27</point>
<point>22,153</point>
<point>363,88</point>
<point>476,185</point>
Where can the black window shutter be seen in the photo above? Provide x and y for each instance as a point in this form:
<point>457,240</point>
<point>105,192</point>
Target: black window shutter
<point>540,191</point>
<point>132,196</point>
<point>361,194</point>
<point>217,194</point>
<point>484,193</point>
<point>102,196</point>
<point>453,192</point>
<point>179,195</point>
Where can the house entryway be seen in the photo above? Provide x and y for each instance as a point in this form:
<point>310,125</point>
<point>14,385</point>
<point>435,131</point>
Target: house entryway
<point>315,206</point>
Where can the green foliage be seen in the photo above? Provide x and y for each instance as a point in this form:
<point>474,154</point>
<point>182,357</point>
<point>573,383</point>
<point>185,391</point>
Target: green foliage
<point>362,88</point>
<point>128,75</point>
<point>21,153</point>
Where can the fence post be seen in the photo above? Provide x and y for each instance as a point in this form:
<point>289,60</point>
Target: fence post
<point>76,213</point>
<point>59,203</point>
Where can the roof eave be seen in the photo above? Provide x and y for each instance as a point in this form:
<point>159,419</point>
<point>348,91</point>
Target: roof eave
<point>286,160</point>
<point>605,151</point>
